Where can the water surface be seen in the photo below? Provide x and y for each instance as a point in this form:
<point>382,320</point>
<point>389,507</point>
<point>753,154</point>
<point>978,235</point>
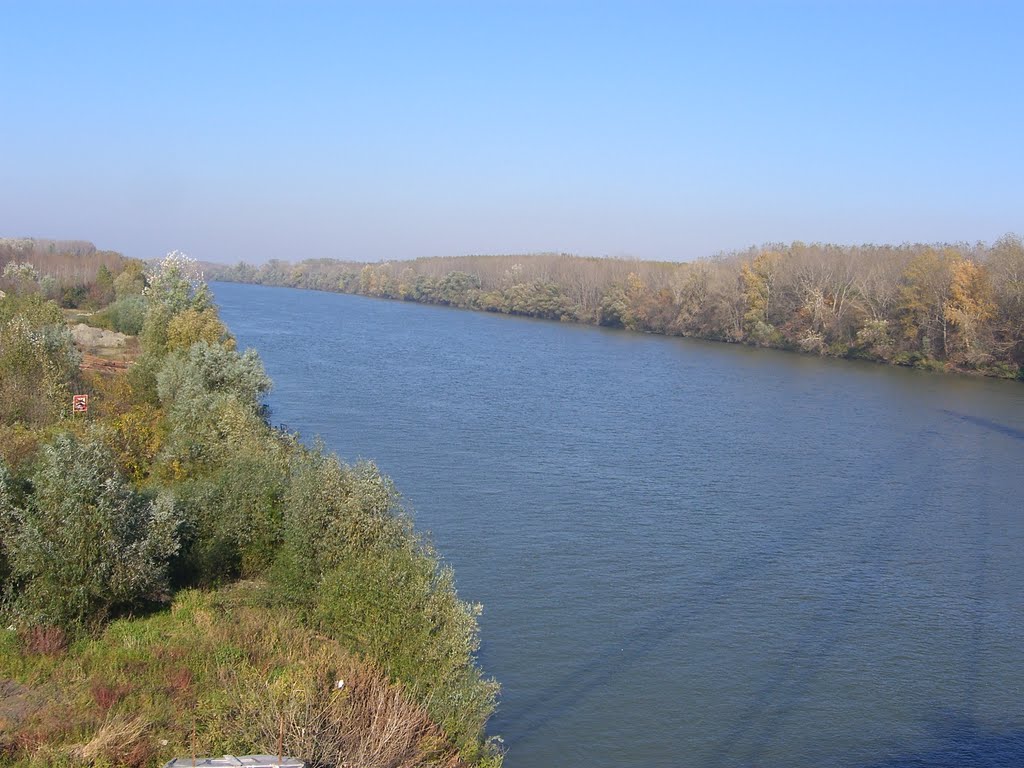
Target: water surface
<point>690,554</point>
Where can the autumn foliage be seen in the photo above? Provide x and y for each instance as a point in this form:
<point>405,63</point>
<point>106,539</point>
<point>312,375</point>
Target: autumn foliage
<point>935,306</point>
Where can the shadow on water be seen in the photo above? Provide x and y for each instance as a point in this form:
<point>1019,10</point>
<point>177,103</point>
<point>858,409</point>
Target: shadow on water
<point>660,625</point>
<point>995,426</point>
<point>962,743</point>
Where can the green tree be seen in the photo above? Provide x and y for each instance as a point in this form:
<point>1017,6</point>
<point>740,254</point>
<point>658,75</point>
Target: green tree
<point>38,361</point>
<point>85,545</point>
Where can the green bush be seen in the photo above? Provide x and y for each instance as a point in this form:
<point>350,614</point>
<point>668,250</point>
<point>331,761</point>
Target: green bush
<point>84,545</point>
<point>233,517</point>
<point>211,395</point>
<point>125,315</point>
<point>38,361</point>
<point>351,557</point>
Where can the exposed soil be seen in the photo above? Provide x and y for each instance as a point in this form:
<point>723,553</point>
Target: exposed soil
<point>104,351</point>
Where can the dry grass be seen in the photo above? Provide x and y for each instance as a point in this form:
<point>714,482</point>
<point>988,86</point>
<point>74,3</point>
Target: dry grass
<point>223,667</point>
<point>368,722</point>
<point>117,741</point>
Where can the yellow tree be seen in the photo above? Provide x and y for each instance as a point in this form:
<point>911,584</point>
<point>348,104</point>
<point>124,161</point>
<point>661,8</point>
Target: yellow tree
<point>969,308</point>
<point>923,297</point>
<point>190,326</point>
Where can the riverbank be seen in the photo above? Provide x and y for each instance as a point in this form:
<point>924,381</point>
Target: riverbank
<point>941,308</point>
<point>168,508</point>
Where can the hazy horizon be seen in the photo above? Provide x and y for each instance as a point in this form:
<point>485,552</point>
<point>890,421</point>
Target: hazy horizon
<point>402,130</point>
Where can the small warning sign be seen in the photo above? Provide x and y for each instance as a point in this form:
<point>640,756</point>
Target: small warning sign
<point>79,403</point>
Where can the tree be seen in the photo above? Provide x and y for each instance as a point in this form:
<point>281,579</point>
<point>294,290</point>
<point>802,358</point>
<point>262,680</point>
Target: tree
<point>85,545</point>
<point>192,325</point>
<point>131,281</point>
<point>176,282</point>
<point>211,395</point>
<point>1005,265</point>
<point>38,361</point>
<point>923,298</point>
<point>759,277</point>
<point>969,308</point>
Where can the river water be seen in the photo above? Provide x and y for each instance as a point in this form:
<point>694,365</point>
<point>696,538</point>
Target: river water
<point>689,553</point>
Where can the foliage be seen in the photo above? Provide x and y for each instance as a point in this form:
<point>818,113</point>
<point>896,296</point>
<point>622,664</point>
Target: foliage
<point>969,308</point>
<point>211,395</point>
<point>194,325</point>
<point>350,556</point>
<point>38,361</point>
<point>956,306</point>
<point>84,545</point>
<point>219,672</point>
<point>132,280</point>
<point>65,271</point>
<point>124,315</point>
<point>176,282</point>
<point>177,480</point>
<point>232,517</point>
<point>21,273</point>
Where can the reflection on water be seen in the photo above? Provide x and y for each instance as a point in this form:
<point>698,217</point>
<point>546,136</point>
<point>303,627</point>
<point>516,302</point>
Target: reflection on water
<point>689,553</point>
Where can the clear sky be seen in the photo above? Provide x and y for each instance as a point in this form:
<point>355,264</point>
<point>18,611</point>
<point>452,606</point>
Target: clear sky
<point>378,130</point>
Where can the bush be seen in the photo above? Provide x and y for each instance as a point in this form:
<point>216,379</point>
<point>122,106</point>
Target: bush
<point>125,316</point>
<point>350,556</point>
<point>211,395</point>
<point>38,362</point>
<point>233,518</point>
<point>190,326</point>
<point>84,545</point>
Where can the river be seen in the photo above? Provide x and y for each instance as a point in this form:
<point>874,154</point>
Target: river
<point>689,553</point>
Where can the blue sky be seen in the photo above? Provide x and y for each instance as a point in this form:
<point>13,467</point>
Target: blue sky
<point>381,130</point>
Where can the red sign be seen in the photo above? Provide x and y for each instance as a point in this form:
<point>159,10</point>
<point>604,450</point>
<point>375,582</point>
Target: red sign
<point>79,403</point>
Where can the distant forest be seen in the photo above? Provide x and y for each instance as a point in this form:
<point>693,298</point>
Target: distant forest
<point>71,272</point>
<point>941,307</point>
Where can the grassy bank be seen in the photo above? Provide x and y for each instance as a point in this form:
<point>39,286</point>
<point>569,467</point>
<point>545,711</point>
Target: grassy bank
<point>170,564</point>
<point>224,671</point>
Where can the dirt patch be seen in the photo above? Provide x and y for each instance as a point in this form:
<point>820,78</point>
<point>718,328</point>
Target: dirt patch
<point>91,338</point>
<point>104,351</point>
<point>17,703</point>
<point>104,364</point>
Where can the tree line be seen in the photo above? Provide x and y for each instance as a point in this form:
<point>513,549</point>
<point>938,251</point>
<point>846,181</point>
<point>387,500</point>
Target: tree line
<point>937,306</point>
<point>73,273</point>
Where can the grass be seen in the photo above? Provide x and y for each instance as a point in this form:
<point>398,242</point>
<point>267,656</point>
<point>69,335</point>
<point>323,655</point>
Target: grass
<point>224,671</point>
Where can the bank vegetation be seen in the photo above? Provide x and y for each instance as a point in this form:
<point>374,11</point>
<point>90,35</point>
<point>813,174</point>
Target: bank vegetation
<point>177,575</point>
<point>940,307</point>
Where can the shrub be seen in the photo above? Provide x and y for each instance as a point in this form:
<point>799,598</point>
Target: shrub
<point>350,556</point>
<point>38,363</point>
<point>125,315</point>
<point>192,325</point>
<point>84,544</point>
<point>211,395</point>
<point>233,517</point>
